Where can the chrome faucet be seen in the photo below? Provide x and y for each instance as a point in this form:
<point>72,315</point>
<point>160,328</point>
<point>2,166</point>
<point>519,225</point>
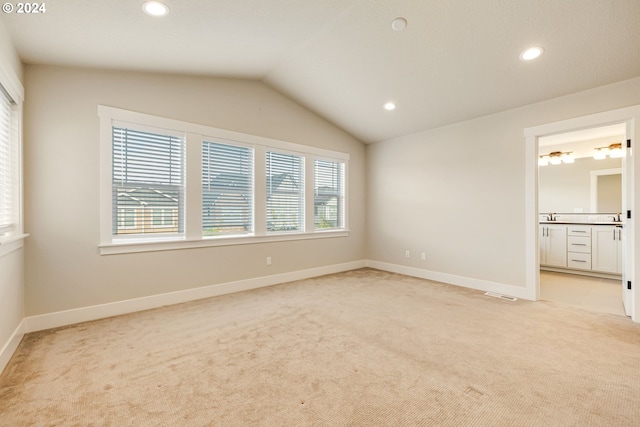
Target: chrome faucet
<point>550,217</point>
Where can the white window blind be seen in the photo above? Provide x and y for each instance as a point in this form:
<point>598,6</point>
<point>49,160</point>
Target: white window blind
<point>328,200</point>
<point>8,168</point>
<point>148,182</point>
<point>227,189</point>
<point>285,192</point>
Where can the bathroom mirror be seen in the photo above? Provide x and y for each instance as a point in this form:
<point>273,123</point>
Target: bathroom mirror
<point>588,185</point>
<point>606,190</point>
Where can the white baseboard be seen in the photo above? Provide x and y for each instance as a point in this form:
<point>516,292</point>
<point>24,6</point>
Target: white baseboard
<point>84,314</point>
<point>452,279</point>
<point>11,345</point>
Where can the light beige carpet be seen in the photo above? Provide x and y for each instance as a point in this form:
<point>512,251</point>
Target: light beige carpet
<point>362,348</point>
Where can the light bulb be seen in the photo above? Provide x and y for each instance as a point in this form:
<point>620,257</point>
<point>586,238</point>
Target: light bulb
<point>531,53</point>
<point>567,158</point>
<point>599,154</point>
<point>616,153</point>
<point>555,160</point>
<point>155,8</point>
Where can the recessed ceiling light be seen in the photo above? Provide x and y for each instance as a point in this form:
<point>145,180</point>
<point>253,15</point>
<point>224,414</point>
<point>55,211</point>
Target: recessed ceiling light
<point>155,8</point>
<point>389,106</point>
<point>531,53</point>
<point>399,24</point>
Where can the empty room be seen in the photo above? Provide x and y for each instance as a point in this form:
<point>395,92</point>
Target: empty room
<point>319,213</point>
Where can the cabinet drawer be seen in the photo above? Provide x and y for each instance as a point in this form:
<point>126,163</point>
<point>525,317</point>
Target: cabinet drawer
<point>579,260</point>
<point>578,230</point>
<point>579,244</point>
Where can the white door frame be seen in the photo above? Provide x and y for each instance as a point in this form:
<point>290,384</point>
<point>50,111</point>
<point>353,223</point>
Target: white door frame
<point>628,115</point>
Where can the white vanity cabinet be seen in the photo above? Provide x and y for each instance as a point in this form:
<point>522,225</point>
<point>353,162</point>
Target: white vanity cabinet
<point>553,245</point>
<point>607,249</point>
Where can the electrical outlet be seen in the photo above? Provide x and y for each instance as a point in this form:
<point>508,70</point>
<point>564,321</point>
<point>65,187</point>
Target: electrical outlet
<point>407,253</point>
<point>423,256</point>
<point>268,260</point>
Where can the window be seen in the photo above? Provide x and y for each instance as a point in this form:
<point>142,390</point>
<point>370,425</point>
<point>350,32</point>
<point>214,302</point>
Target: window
<point>328,196</point>
<point>285,192</point>
<point>227,189</point>
<point>165,218</point>
<point>126,219</point>
<point>148,181</point>
<point>168,184</point>
<point>9,167</point>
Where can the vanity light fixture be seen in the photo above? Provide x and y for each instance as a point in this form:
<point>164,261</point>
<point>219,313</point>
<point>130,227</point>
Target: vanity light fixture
<point>614,151</point>
<point>155,8</point>
<point>556,158</point>
<point>389,106</point>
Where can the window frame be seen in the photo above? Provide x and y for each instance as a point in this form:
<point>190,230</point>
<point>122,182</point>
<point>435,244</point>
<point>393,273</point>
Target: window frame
<point>13,238</point>
<point>302,223</point>
<point>238,144</point>
<point>193,236</point>
<point>147,222</point>
<point>343,194</point>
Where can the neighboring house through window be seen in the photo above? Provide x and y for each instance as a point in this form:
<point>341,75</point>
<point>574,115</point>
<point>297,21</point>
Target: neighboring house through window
<point>148,181</point>
<point>227,189</point>
<point>329,190</point>
<point>285,192</point>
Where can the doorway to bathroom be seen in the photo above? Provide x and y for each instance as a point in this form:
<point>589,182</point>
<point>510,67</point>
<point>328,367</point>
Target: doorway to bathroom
<point>580,201</point>
<point>629,118</point>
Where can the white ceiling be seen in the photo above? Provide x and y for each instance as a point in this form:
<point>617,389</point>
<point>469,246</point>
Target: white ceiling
<point>457,59</point>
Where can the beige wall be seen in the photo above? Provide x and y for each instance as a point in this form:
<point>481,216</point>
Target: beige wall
<point>9,60</point>
<point>11,264</point>
<point>11,294</point>
<point>64,270</point>
<point>457,193</point>
<point>561,188</point>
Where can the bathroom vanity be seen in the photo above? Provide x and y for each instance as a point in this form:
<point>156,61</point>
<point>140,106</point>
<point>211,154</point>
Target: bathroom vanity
<point>581,244</point>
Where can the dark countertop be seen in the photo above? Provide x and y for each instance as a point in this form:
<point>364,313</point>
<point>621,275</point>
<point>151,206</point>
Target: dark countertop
<point>582,223</point>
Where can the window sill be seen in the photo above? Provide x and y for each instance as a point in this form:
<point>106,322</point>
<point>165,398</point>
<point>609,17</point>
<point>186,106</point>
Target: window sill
<point>11,243</point>
<point>168,245</point>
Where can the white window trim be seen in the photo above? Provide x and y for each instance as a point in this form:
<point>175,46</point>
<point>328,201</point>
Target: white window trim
<point>11,83</point>
<point>195,134</point>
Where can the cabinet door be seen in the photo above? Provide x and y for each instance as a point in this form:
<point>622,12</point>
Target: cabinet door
<point>604,249</point>
<point>556,247</point>
<point>620,233</point>
<point>542,240</point>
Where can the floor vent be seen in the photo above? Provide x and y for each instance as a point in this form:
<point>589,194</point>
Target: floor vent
<point>493,294</point>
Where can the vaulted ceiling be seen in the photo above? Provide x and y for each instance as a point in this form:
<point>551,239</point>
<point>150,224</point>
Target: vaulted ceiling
<point>456,59</point>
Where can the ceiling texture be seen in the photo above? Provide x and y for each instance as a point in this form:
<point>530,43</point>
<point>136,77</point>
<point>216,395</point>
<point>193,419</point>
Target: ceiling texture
<point>456,59</point>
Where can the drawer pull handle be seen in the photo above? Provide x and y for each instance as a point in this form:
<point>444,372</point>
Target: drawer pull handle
<point>579,244</point>
<point>578,231</point>
<point>578,260</point>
